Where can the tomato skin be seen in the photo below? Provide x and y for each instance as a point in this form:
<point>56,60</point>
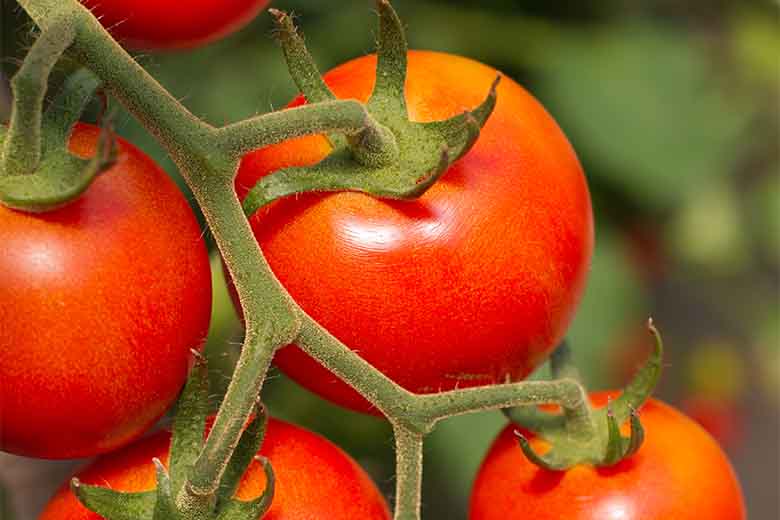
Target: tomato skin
<point>314,478</point>
<point>169,24</point>
<point>102,301</point>
<point>472,284</point>
<point>680,472</point>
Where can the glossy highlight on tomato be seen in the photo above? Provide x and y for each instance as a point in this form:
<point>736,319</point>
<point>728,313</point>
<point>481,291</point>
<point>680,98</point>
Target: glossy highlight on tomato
<point>679,473</point>
<point>314,478</point>
<point>171,24</point>
<point>101,303</point>
<point>472,284</point>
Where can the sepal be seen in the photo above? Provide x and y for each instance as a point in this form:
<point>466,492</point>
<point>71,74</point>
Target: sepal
<point>413,156</point>
<point>389,90</point>
<point>190,422</point>
<point>240,510</point>
<point>114,505</point>
<point>245,453</point>
<point>59,176</point>
<point>605,445</point>
<point>165,508</point>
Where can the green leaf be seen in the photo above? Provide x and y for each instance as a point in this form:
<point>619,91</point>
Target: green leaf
<point>642,103</point>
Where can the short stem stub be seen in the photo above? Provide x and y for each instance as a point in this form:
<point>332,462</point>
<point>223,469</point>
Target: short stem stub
<point>375,147</point>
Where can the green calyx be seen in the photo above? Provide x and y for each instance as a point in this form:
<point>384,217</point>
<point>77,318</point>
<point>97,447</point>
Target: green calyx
<point>591,436</point>
<point>391,157</point>
<point>37,172</point>
<point>175,495</point>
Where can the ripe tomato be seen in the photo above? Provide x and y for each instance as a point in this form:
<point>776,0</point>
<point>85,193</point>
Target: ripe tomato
<point>168,24</point>
<point>100,304</point>
<point>314,478</point>
<point>679,472</point>
<point>472,284</point>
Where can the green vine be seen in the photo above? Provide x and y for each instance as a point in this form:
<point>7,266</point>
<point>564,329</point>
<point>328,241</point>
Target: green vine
<point>377,150</point>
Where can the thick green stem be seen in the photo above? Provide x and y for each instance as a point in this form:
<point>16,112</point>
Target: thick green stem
<point>409,472</point>
<point>566,392</point>
<point>270,322</point>
<point>390,398</point>
<point>420,412</point>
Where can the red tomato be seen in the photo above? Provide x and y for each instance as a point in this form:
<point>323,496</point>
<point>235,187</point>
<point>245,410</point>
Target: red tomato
<point>169,24</point>
<point>101,303</point>
<point>314,478</point>
<point>679,473</point>
<point>472,284</point>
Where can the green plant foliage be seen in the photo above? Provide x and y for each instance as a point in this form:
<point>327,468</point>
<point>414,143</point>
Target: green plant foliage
<point>646,103</point>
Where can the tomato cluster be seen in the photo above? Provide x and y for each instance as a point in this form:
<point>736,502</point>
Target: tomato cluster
<point>474,283</point>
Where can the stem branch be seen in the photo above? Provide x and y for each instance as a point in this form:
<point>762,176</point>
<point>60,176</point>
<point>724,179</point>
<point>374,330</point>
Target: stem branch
<point>409,471</point>
<point>397,403</point>
<point>349,117</point>
<point>566,392</point>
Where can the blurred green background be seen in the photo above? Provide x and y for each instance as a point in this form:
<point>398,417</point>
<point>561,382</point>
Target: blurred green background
<point>673,109</point>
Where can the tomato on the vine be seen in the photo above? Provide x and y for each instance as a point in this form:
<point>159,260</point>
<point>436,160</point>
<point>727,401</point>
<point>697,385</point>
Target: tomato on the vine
<point>167,24</point>
<point>314,478</point>
<point>680,472</point>
<point>101,303</point>
<point>475,282</point>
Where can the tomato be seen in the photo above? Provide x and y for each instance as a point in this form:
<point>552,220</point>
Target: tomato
<point>100,304</point>
<point>475,282</point>
<point>170,24</point>
<point>314,478</point>
<point>680,472</point>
